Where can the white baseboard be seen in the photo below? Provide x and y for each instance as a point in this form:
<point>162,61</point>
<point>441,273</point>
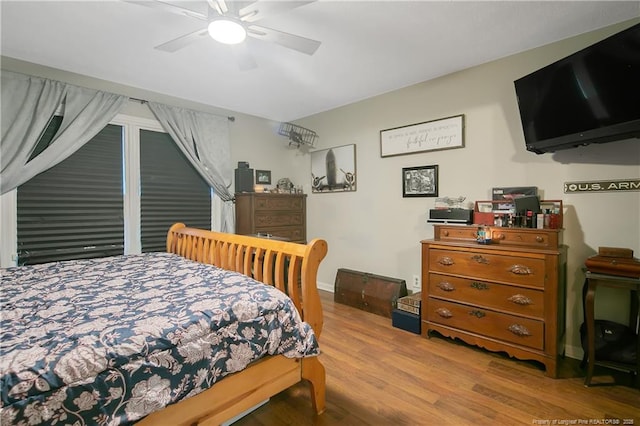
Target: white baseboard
<point>574,352</point>
<point>325,286</point>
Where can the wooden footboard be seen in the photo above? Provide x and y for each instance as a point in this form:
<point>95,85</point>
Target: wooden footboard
<point>290,267</point>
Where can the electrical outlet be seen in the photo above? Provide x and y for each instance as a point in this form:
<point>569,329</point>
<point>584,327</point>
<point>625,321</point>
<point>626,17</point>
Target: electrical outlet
<point>416,283</point>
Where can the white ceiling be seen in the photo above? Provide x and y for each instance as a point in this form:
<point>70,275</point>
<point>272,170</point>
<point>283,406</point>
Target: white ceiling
<point>368,47</point>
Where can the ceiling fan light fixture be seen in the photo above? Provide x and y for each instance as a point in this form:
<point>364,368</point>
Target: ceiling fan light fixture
<point>227,31</point>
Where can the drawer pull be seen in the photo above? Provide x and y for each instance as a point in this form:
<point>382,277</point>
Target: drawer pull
<point>520,270</point>
<point>480,259</point>
<point>445,261</point>
<point>520,299</point>
<point>446,286</point>
<point>519,330</point>
<point>446,233</point>
<point>444,312</point>
<point>501,236</point>
<point>539,239</point>
<point>477,314</point>
<point>479,286</point>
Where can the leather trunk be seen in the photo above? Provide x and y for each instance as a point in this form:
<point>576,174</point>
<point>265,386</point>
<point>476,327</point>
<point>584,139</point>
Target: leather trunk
<point>369,292</point>
<point>620,266</point>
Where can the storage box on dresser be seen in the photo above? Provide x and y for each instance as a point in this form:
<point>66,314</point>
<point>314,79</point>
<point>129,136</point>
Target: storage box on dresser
<point>506,296</point>
<point>280,215</point>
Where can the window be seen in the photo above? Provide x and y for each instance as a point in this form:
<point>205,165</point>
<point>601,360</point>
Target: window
<point>77,208</point>
<point>74,210</point>
<point>170,191</point>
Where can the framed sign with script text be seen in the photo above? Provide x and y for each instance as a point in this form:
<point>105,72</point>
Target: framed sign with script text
<point>445,133</point>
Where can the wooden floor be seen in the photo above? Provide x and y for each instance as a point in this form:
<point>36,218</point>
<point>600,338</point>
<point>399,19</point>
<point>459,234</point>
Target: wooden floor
<point>381,375</point>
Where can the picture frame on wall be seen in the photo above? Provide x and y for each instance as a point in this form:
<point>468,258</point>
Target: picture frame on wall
<point>334,169</point>
<point>263,177</point>
<point>420,181</point>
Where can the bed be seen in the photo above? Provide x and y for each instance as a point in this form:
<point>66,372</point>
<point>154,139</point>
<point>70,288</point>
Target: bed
<point>190,336</point>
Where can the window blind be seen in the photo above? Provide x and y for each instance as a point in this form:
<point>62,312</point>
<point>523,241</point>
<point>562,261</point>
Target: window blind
<point>75,209</point>
<point>170,191</point>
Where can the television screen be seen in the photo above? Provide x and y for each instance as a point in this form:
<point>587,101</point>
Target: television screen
<point>592,96</point>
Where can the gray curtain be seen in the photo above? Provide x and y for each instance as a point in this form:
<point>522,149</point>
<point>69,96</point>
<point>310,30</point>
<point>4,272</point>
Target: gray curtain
<point>28,104</point>
<point>204,139</point>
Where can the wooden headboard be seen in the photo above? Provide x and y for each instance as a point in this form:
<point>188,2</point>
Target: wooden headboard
<point>290,267</point>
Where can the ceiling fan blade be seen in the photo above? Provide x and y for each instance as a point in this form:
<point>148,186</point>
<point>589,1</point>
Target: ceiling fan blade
<point>168,7</point>
<point>261,9</point>
<point>182,41</point>
<point>219,6</point>
<point>299,43</point>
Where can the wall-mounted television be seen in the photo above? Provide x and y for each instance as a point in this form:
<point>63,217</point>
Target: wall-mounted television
<point>592,96</point>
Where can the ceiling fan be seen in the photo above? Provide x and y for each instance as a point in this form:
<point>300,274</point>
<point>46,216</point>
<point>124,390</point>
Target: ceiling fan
<point>230,22</point>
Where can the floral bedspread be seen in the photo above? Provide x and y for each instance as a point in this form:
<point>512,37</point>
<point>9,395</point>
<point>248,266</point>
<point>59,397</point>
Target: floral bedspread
<point>108,341</point>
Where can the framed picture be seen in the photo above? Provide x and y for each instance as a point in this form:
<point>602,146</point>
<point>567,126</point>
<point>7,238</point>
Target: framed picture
<point>263,177</point>
<point>420,181</point>
<point>445,133</point>
<point>334,169</point>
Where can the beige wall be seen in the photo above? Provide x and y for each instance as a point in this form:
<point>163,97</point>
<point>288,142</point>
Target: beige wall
<point>375,229</point>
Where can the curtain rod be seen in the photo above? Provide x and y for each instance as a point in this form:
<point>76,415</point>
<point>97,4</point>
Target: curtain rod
<point>231,118</point>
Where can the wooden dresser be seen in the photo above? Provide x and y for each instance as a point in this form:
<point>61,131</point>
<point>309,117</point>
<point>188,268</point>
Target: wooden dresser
<point>280,215</point>
<point>506,296</point>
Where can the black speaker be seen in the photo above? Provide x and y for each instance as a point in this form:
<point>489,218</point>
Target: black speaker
<point>244,180</point>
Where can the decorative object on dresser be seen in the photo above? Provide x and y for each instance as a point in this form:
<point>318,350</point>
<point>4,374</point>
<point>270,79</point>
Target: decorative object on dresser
<point>450,215</point>
<point>505,214</point>
<point>507,296</point>
<point>243,177</point>
<point>369,292</point>
<point>334,169</point>
<point>285,186</point>
<point>279,215</point>
<point>263,177</point>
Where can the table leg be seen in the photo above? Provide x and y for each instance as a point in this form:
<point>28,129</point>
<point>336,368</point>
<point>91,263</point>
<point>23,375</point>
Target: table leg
<point>633,311</point>
<point>589,317</point>
<point>635,325</point>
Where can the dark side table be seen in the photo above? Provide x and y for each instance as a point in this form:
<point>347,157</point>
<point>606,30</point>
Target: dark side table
<point>593,281</point>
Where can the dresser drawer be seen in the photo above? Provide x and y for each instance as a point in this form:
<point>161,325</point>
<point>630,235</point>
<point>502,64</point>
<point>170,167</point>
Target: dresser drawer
<point>263,219</point>
<point>510,328</point>
<point>487,266</point>
<point>455,233</point>
<point>513,236</point>
<point>520,301</point>
<point>278,202</point>
<point>292,233</point>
